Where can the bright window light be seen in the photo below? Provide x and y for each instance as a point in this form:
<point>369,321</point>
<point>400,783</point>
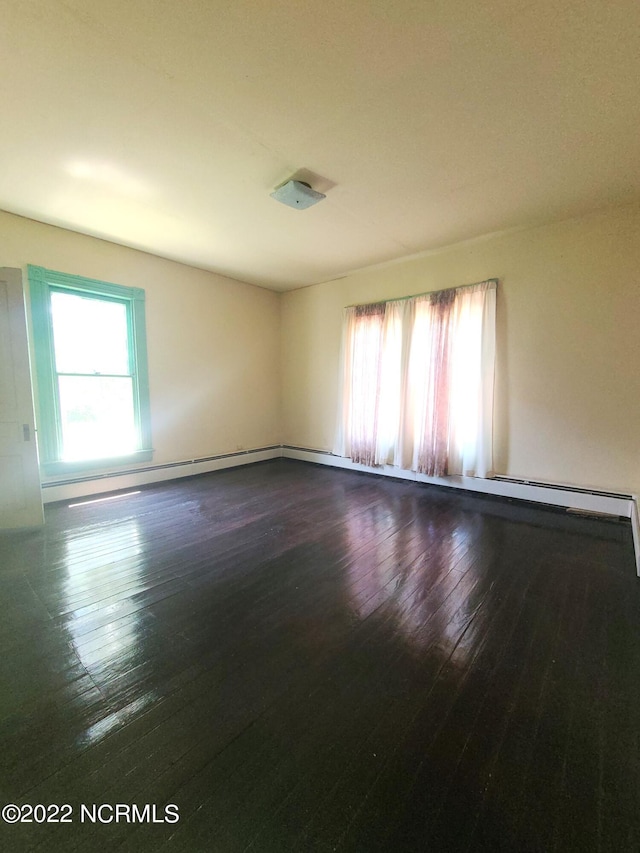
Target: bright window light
<point>95,387</point>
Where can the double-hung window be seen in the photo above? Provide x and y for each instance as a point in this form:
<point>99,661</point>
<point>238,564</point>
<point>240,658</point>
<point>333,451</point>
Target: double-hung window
<point>91,366</point>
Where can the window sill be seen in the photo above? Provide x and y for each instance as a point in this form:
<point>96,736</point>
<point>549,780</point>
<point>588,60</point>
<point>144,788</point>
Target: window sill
<point>52,469</point>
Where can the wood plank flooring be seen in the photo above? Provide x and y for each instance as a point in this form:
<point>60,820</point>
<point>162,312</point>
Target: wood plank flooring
<point>306,659</point>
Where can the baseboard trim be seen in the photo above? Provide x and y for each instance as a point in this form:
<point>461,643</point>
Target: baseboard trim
<point>112,481</point>
<point>601,502</point>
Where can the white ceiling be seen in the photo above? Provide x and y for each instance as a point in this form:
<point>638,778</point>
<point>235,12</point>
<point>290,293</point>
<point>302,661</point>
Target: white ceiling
<point>165,124</point>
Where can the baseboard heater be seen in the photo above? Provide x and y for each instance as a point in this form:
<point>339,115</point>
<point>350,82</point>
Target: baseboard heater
<point>577,489</point>
<point>575,510</point>
<point>101,482</point>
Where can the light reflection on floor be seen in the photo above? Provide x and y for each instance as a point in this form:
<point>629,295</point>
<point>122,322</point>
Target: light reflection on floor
<point>102,562</point>
<point>414,576</point>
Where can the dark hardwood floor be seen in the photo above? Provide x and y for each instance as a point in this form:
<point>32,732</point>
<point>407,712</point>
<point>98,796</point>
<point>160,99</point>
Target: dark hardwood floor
<point>305,659</point>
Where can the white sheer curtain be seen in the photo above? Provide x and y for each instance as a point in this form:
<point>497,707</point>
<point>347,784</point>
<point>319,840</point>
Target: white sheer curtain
<point>417,382</point>
<point>393,381</point>
<point>362,363</point>
<point>472,381</point>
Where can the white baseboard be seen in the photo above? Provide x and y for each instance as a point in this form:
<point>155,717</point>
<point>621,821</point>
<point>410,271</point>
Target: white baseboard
<point>114,481</point>
<point>625,506</point>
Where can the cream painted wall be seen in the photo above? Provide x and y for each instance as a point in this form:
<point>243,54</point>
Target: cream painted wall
<point>568,383</point>
<point>568,348</point>
<point>213,343</point>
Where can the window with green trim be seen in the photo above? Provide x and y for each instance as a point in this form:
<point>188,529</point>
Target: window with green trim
<point>91,365</point>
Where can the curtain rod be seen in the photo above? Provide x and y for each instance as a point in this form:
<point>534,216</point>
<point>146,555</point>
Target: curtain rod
<point>426,293</point>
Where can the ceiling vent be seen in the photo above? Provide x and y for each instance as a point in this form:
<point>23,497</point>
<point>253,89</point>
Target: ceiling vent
<point>297,194</point>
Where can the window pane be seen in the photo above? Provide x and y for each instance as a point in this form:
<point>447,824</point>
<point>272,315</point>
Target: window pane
<point>97,417</point>
<point>90,334</point>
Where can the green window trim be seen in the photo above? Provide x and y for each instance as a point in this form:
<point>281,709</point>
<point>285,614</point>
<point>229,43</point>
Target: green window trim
<point>42,282</point>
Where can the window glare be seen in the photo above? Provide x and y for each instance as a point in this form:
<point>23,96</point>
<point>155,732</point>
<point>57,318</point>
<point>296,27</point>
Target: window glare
<point>90,335</point>
<point>96,417</point>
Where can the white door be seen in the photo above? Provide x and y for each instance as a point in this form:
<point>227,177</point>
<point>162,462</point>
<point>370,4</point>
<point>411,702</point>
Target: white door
<point>20,492</point>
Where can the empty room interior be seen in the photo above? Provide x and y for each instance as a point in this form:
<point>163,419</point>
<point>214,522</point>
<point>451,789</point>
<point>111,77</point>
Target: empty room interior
<point>319,424</point>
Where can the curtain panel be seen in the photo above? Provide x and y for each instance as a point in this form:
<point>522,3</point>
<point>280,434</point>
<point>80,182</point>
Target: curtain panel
<point>417,379</point>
